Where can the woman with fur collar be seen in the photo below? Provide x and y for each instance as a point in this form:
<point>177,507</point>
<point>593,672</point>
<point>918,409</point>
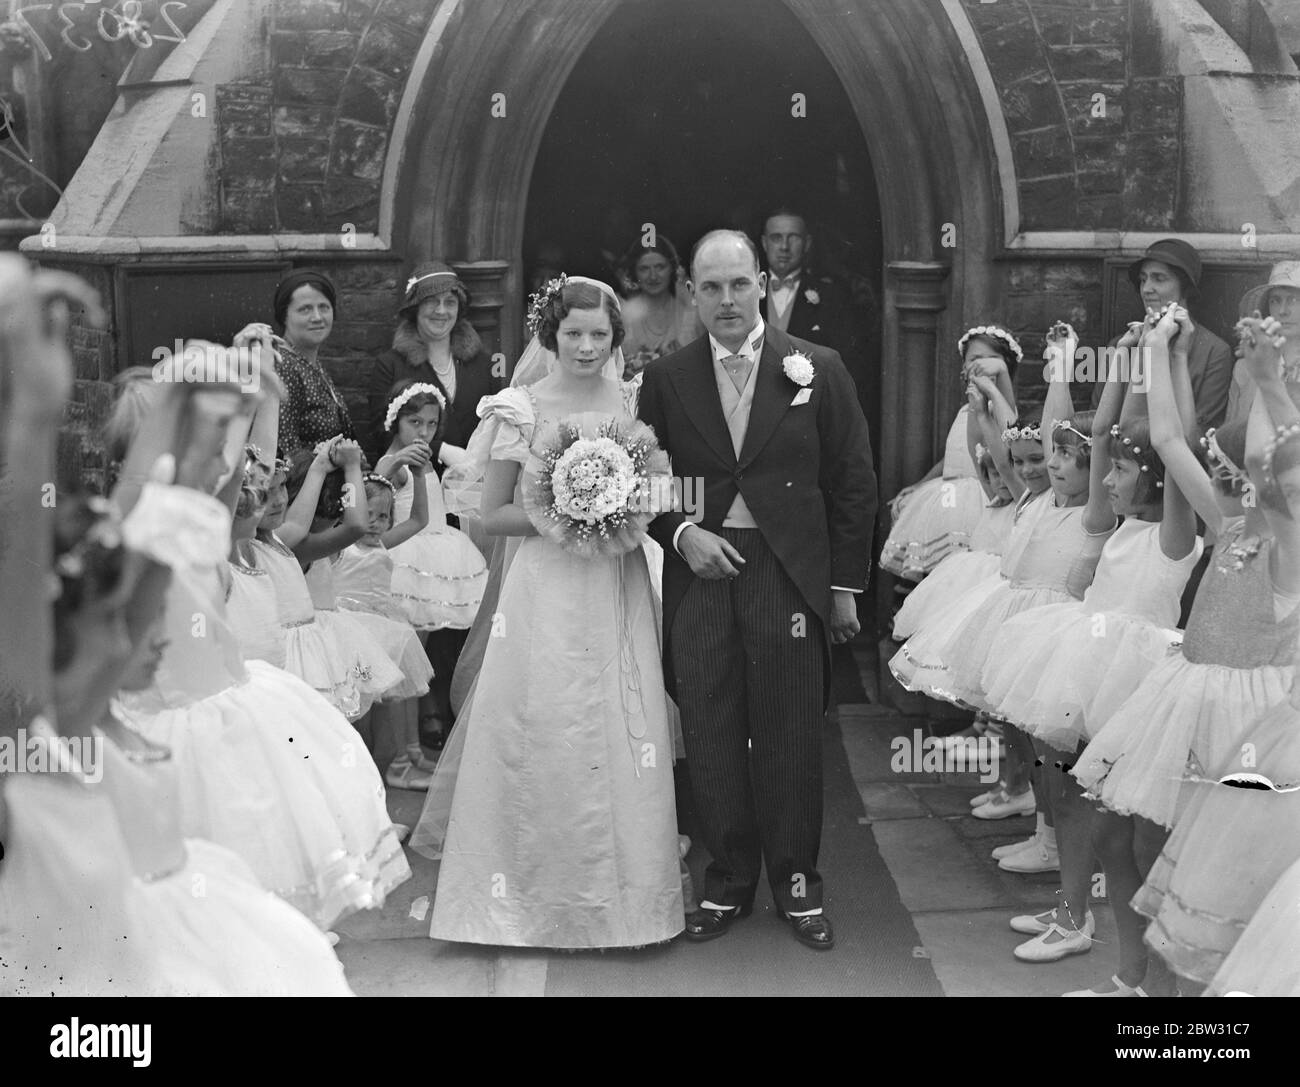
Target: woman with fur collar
<point>435,342</point>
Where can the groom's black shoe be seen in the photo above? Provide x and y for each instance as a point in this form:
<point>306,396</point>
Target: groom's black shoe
<point>710,924</point>
<point>813,929</point>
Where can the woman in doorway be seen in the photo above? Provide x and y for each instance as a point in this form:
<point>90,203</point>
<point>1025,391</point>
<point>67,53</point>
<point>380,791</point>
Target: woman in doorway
<point>312,410</point>
<point>658,319</point>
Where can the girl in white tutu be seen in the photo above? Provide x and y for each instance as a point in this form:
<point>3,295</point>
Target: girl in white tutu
<point>351,673</point>
<point>265,766</point>
<point>363,574</point>
<point>336,522</point>
<point>1212,874</point>
<point>961,569</point>
<point>438,573</point>
<point>939,513</point>
<point>1058,672</point>
<point>97,870</point>
<point>1236,658</point>
<point>1021,461</point>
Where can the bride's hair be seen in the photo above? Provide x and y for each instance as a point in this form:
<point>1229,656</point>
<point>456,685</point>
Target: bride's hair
<point>576,296</point>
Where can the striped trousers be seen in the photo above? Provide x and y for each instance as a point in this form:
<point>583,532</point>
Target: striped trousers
<point>749,658</point>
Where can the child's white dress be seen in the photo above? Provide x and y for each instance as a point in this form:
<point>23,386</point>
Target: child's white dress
<point>1060,671</point>
<point>438,574</point>
<point>1192,710</point>
<point>958,572</point>
<point>365,630</point>
<point>192,914</point>
<point>940,515</point>
<point>264,765</point>
<point>351,672</point>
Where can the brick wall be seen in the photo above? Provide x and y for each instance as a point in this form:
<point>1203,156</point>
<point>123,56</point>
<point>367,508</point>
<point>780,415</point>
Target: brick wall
<point>303,146</point>
<point>1074,170</point>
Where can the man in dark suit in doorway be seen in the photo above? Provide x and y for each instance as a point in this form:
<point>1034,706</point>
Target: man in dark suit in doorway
<point>758,589</point>
<point>811,307</point>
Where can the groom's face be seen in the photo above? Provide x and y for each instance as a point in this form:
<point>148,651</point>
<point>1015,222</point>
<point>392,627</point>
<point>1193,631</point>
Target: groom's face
<point>727,287</point>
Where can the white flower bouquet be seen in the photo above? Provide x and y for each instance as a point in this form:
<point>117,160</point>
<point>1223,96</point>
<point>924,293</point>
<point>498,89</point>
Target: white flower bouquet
<point>596,496</point>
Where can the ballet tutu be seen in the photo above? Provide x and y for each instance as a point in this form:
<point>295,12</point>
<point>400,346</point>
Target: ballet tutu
<point>1211,877</point>
<point>920,665</point>
<point>313,653</point>
<point>937,518</point>
<point>941,586</point>
<point>402,646</point>
<point>1059,672</point>
<point>438,579</point>
<point>267,768</point>
<point>968,648</point>
<point>1137,762</point>
<point>232,938</point>
<point>1266,959</point>
<point>374,670</point>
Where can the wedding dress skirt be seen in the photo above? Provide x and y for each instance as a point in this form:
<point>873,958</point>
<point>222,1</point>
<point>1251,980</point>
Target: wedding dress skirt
<point>556,790</point>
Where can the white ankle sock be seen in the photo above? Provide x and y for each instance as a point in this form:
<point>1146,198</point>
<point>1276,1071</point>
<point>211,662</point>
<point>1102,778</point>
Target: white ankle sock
<point>1049,837</point>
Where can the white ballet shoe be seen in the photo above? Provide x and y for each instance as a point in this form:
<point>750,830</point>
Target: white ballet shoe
<point>1055,944</point>
<point>1015,847</point>
<point>1120,989</point>
<point>1035,924</point>
<point>1004,805</point>
<point>1039,857</point>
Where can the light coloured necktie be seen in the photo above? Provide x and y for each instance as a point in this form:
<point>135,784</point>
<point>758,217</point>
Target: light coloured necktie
<point>737,368</point>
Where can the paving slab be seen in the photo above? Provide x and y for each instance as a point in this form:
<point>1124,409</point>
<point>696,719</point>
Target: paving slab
<point>971,952</point>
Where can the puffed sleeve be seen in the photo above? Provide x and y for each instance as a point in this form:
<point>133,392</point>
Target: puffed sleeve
<point>507,420</point>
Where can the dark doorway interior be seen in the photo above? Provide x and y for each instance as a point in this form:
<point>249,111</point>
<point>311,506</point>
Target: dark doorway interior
<point>681,114</point>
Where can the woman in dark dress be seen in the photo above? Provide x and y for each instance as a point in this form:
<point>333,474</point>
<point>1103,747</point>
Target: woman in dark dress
<point>311,410</point>
<point>436,343</point>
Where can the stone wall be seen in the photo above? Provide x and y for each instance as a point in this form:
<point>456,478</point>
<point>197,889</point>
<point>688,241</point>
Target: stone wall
<point>303,145</point>
<point>1078,167</point>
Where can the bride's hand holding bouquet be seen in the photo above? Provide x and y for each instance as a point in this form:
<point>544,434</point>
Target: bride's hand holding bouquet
<point>596,496</point>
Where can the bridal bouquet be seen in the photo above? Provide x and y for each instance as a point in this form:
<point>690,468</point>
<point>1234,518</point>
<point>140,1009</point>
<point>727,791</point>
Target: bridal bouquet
<point>595,496</point>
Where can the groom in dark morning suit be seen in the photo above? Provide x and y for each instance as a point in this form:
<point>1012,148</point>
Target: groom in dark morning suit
<point>759,581</point>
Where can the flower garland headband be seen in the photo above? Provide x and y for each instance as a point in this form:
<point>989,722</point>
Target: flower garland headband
<point>1066,424</point>
<point>1023,433</point>
<point>996,333</point>
<point>1136,450</point>
<point>1219,457</point>
<point>399,401</point>
<point>375,477</point>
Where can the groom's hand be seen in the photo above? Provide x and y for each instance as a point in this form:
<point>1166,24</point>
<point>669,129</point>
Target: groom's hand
<point>844,617</point>
<point>708,555</point>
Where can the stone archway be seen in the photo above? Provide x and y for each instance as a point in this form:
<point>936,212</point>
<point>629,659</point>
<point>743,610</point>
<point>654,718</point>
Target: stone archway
<point>906,71</point>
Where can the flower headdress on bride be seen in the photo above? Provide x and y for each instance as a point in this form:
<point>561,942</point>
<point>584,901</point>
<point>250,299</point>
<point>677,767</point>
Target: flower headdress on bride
<point>399,401</point>
<point>542,298</point>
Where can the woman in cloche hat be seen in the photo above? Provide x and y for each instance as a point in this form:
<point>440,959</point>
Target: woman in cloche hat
<point>1279,298</point>
<point>436,344</point>
<point>1170,271</point>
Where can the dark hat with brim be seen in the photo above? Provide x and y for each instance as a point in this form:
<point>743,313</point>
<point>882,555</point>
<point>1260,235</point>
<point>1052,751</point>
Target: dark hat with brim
<point>1171,251</point>
<point>428,281</point>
